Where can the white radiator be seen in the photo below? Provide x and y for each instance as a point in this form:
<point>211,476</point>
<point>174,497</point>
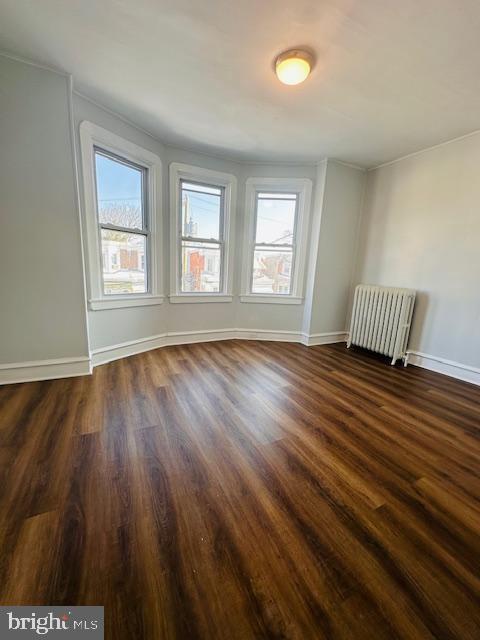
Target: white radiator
<point>381,318</point>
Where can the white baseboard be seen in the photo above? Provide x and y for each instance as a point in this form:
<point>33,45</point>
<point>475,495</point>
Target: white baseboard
<point>44,370</point>
<point>292,336</point>
<point>442,365</point>
<point>114,352</point>
<point>325,338</point>
<point>131,348</point>
<point>267,334</point>
<point>124,349</point>
<point>190,337</point>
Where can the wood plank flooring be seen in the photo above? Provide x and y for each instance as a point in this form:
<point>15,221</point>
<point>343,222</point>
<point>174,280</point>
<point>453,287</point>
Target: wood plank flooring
<point>246,490</point>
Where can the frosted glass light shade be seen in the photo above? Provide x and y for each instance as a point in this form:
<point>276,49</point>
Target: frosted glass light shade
<point>293,67</point>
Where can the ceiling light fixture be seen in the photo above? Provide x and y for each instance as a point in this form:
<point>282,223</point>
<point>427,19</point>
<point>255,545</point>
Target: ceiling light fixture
<point>293,66</point>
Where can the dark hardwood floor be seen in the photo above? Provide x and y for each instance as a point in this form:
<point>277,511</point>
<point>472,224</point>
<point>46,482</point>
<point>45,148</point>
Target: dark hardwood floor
<point>246,490</point>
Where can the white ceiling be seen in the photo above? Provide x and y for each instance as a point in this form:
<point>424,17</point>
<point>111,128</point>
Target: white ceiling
<point>392,76</point>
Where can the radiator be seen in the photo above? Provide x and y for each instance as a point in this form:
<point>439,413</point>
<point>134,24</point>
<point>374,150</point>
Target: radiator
<point>381,319</point>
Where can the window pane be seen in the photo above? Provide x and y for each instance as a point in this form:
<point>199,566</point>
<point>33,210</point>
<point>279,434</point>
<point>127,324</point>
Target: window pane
<point>272,271</point>
<point>124,261</point>
<point>275,221</point>
<point>200,267</point>
<point>201,211</point>
<point>119,192</point>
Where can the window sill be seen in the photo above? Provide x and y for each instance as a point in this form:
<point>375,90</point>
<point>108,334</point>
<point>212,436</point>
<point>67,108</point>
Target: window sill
<point>274,299</point>
<point>199,297</point>
<point>120,302</point>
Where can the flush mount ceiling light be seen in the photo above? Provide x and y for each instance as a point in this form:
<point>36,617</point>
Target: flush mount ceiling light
<point>293,66</point>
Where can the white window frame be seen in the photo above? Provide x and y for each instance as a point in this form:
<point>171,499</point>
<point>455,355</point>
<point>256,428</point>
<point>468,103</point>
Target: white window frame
<point>92,136</point>
<point>303,188</point>
<point>228,182</point>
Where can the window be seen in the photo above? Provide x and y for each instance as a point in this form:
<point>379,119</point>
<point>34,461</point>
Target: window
<point>277,212</point>
<point>202,237</point>
<point>123,221</point>
<point>274,243</point>
<point>201,202</point>
<point>122,195</point>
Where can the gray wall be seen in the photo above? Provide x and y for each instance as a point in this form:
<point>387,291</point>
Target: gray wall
<point>42,308</point>
<point>421,229</point>
<point>342,195</point>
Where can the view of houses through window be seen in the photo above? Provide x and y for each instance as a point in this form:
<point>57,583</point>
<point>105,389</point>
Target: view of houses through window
<point>274,243</point>
<point>123,258</point>
<point>202,237</point>
<point>122,218</point>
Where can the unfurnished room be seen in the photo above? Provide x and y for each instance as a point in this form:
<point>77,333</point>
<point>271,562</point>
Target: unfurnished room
<point>240,319</point>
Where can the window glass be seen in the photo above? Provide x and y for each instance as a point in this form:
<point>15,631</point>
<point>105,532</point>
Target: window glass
<point>121,206</point>
<point>275,219</point>
<point>201,267</point>
<point>201,211</point>
<point>119,192</point>
<point>274,243</point>
<point>123,262</point>
<point>272,271</point>
<point>201,250</point>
